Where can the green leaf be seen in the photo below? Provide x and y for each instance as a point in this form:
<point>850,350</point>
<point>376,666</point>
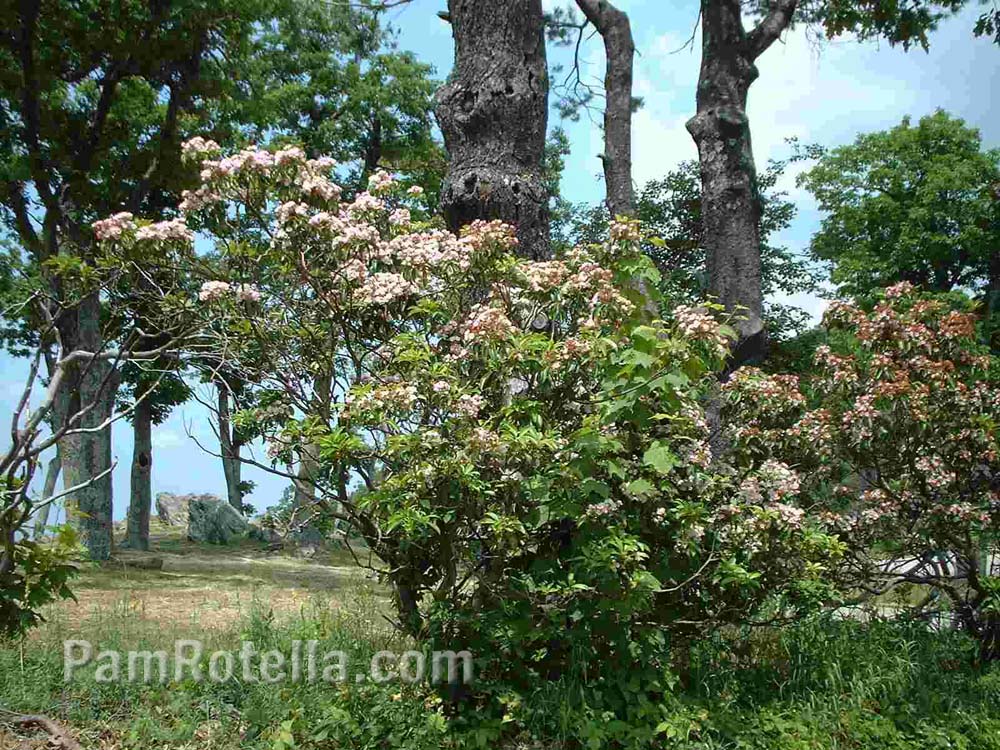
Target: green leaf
<point>660,458</point>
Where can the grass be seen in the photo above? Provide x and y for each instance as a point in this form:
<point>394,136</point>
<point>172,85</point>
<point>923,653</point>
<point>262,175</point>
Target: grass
<point>825,684</point>
<point>219,595</point>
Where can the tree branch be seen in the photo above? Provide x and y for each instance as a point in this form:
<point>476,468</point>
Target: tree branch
<point>770,27</point>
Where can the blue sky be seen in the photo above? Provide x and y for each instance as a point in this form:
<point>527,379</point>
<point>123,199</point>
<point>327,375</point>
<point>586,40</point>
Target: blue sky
<point>823,92</point>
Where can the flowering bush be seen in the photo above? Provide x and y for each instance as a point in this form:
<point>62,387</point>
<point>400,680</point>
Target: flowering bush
<point>894,439</point>
<point>522,448</point>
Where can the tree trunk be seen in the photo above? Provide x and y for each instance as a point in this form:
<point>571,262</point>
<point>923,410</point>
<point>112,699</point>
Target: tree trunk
<point>86,456</point>
<point>232,467</point>
<point>493,113</point>
<point>616,31</point>
<point>141,502</point>
<point>993,303</point>
<point>48,490</point>
<point>730,200</point>
<point>305,484</point>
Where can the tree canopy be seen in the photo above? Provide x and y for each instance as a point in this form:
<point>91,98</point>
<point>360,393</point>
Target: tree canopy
<point>917,203</point>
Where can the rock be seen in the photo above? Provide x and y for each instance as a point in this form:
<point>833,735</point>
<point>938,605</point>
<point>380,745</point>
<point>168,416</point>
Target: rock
<point>173,509</point>
<point>307,536</point>
<point>136,562</point>
<point>264,534</point>
<point>213,520</point>
<point>306,551</point>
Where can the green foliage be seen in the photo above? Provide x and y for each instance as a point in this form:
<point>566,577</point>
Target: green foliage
<point>39,574</point>
<point>520,442</point>
<point>916,203</point>
<point>822,683</point>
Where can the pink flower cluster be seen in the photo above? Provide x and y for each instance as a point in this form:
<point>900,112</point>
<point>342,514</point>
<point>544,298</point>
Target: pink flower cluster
<point>214,290</point>
<point>381,182</point>
<point>166,231</point>
<point>625,230</point>
<point>384,287</point>
<point>603,509</point>
<point>469,406</point>
<point>544,276</point>
<point>768,392</point>
<point>935,472</point>
<point>400,217</point>
<point>432,249</point>
<point>113,227</point>
<point>199,147</point>
<point>696,323</point>
<point>251,159</point>
<point>198,199</point>
<point>779,480</point>
<point>484,440</point>
<point>481,233</point>
<point>395,396</point>
<point>247,293</point>
<point>487,323</point>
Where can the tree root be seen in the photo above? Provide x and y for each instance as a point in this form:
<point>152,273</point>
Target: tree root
<point>57,732</point>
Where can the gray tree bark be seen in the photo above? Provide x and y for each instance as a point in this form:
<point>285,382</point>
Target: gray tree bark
<point>54,468</point>
<point>616,31</point>
<point>230,446</point>
<point>141,501</point>
<point>730,201</point>
<point>305,483</point>
<point>86,455</point>
<point>493,113</point>
<point>52,472</point>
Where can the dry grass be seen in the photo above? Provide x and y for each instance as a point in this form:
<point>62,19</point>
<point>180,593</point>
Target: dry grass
<point>202,586</point>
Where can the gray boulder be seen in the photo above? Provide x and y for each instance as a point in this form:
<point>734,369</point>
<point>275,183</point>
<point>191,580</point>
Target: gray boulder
<point>215,521</point>
<point>264,534</point>
<point>173,509</point>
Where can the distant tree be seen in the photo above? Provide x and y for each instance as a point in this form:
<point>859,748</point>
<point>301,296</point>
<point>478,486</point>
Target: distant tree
<point>917,203</point>
<point>155,388</point>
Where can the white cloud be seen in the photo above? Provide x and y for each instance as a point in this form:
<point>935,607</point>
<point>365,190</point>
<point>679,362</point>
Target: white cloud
<point>166,439</point>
